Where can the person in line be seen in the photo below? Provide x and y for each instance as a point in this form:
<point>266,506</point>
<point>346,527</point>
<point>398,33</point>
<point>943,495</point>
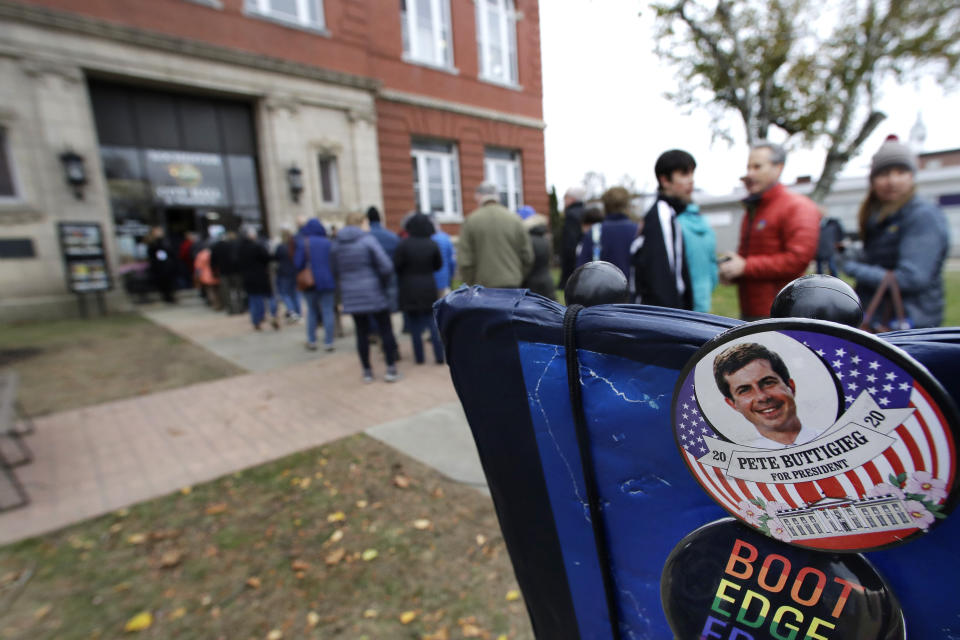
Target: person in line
<point>778,234</point>
<point>362,270</point>
<point>494,248</point>
<point>416,260</point>
<point>287,274</point>
<point>700,245</point>
<point>539,280</point>
<point>206,279</point>
<point>444,275</point>
<point>756,383</point>
<point>572,233</point>
<point>314,247</point>
<point>660,272</point>
<point>616,234</point>
<point>223,260</point>
<point>831,238</point>
<point>904,234</point>
<point>253,260</point>
<point>163,264</point>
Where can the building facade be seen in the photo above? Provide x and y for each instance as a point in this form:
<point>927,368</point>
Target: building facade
<point>192,113</point>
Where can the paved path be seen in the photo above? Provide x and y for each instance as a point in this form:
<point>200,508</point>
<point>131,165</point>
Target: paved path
<point>93,460</point>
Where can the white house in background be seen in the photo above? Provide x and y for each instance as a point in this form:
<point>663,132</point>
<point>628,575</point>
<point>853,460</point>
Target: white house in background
<point>938,180</point>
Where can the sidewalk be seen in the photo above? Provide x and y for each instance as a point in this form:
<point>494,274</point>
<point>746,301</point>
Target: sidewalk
<point>97,459</point>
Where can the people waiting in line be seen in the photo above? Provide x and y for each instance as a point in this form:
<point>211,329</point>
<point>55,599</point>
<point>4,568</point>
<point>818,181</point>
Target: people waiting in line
<point>286,276</point>
<point>539,280</point>
<point>253,261</point>
<point>223,260</point>
<point>206,280</point>
<point>163,264</point>
<point>313,250</point>
<point>494,249</point>
<point>611,242</point>
<point>903,235</point>
<point>831,239</point>
<point>362,270</point>
<point>573,209</point>
<point>444,275</point>
<point>416,260</point>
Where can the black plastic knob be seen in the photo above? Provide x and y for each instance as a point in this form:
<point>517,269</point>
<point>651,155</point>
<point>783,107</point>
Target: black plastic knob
<point>597,283</point>
<point>820,297</point>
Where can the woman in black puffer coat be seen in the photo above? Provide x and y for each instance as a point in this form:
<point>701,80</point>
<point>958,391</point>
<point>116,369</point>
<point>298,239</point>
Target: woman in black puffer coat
<point>415,260</point>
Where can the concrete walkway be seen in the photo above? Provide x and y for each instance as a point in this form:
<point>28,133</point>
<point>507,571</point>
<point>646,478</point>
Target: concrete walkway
<point>97,459</point>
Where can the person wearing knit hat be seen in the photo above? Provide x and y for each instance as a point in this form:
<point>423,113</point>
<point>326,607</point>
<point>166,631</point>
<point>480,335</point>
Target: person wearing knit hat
<point>904,234</point>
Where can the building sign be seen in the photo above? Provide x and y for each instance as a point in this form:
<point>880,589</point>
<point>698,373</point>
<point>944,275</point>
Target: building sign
<point>725,581</point>
<point>818,435</point>
<point>182,178</point>
<point>84,256</point>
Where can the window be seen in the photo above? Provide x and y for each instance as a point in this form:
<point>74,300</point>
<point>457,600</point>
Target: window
<point>502,168</point>
<point>8,187</point>
<point>329,187</point>
<point>497,40</point>
<point>436,180</point>
<point>304,13</point>
<point>426,31</point>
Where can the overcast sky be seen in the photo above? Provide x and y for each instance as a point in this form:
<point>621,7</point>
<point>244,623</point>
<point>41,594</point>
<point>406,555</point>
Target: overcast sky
<point>605,111</point>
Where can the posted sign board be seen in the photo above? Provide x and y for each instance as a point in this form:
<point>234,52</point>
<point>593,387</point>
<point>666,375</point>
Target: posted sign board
<point>84,256</point>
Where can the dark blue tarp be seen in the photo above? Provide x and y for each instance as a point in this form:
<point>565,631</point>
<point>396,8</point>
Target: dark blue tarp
<point>507,362</point>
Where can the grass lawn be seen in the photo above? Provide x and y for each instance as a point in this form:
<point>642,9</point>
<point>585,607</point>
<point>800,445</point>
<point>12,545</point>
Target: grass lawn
<point>352,540</point>
<point>74,363</point>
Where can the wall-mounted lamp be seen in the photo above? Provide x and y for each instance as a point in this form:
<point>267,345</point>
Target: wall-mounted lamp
<point>74,171</point>
<point>295,182</point>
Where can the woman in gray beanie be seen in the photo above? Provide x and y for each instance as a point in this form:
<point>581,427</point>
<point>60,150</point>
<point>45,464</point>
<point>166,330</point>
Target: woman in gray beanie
<point>901,233</point>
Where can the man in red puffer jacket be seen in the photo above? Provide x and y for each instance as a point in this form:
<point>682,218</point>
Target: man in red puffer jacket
<point>778,234</point>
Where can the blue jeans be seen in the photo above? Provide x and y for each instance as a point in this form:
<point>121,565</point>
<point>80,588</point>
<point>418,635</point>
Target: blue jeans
<point>420,321</point>
<point>320,304</point>
<point>287,290</point>
<point>257,307</point>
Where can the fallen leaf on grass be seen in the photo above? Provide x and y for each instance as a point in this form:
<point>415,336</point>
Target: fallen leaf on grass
<point>371,613</point>
<point>438,493</point>
<point>502,636</point>
<point>421,524</point>
<point>369,554</point>
<point>137,538</point>
<point>275,634</point>
<point>206,600</point>
<point>253,582</point>
<point>171,558</point>
<point>471,631</point>
<point>42,611</point>
<point>336,536</point>
<point>361,504</point>
<point>401,481</point>
<point>481,539</point>
<point>178,613</point>
<point>512,595</point>
<point>215,613</point>
<point>116,527</point>
<point>122,513</point>
<point>139,622</point>
<point>334,557</point>
<point>169,593</point>
<point>440,634</point>
<point>336,516</point>
<point>313,619</point>
<point>186,490</point>
<point>305,483</point>
<point>300,565</point>
<point>407,617</point>
<point>216,508</point>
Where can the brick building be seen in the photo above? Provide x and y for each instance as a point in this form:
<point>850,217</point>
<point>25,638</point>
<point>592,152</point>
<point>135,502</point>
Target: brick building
<point>190,113</point>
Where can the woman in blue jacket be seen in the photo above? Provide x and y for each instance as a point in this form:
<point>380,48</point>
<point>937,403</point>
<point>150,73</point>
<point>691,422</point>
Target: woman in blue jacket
<point>320,298</point>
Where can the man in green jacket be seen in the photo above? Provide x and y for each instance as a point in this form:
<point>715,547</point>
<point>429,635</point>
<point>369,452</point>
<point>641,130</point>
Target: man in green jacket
<point>494,249</point>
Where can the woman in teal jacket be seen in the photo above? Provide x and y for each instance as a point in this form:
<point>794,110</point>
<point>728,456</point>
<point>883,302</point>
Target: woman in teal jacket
<point>700,252</point>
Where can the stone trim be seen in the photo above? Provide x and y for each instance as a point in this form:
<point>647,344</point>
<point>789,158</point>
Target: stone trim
<point>128,35</point>
<point>459,108</point>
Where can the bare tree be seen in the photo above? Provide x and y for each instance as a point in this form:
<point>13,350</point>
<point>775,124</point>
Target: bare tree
<point>775,64</point>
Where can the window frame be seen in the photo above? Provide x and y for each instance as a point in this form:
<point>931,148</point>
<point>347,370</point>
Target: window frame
<point>6,148</point>
<point>420,152</point>
<point>334,179</point>
<point>507,17</point>
<point>440,18</point>
<point>262,9</point>
<point>493,156</point>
